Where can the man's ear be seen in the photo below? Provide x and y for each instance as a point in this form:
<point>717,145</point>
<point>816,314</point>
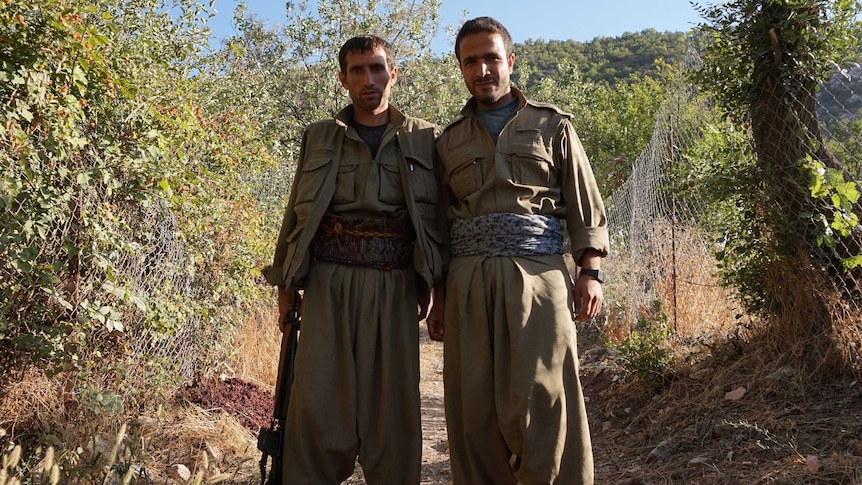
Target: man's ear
<point>343,79</point>
<point>393,74</point>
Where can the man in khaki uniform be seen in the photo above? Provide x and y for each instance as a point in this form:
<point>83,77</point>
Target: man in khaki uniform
<point>360,237</point>
<point>518,179</point>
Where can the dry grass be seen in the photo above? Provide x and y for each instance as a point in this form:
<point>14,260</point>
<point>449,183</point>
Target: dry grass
<point>32,401</point>
<point>676,270</point>
<point>258,343</point>
<point>796,420</point>
<point>149,446</point>
<point>788,427</point>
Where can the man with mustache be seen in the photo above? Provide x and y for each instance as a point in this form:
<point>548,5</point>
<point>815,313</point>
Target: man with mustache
<point>518,179</point>
<point>360,238</point>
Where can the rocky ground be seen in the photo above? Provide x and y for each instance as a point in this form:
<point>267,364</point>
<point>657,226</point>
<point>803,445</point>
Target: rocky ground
<point>717,423</point>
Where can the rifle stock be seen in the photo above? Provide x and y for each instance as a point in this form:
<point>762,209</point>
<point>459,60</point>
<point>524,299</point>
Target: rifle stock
<point>270,440</point>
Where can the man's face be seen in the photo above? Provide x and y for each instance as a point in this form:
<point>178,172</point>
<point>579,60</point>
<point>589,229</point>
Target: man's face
<point>369,79</point>
<point>486,68</point>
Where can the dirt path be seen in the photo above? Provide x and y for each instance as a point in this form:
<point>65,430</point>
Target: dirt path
<point>780,429</point>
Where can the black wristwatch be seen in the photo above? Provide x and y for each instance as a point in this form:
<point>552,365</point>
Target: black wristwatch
<point>595,274</point>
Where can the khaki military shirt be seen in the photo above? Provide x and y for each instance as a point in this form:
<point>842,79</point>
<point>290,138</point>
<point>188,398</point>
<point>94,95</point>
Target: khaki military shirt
<point>369,186</point>
<point>537,166</point>
<point>336,172</point>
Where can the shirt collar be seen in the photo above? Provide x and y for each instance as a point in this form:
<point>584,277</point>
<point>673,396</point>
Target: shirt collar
<point>396,117</point>
<point>471,107</point>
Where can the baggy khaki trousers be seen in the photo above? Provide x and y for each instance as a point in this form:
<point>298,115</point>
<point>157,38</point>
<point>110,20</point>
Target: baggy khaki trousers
<point>514,405</point>
<point>356,389</point>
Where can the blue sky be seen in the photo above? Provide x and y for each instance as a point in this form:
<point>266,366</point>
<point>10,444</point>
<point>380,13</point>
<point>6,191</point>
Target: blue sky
<point>580,20</point>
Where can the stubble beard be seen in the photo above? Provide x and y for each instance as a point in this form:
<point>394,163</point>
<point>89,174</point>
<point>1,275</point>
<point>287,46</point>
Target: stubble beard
<point>490,94</point>
<point>370,103</point>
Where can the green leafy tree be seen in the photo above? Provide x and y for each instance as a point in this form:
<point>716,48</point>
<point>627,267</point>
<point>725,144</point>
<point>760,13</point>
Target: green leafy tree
<point>123,216</point>
<point>763,64</point>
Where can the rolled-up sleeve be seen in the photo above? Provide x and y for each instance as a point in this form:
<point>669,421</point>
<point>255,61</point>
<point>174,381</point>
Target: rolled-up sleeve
<point>586,219</point>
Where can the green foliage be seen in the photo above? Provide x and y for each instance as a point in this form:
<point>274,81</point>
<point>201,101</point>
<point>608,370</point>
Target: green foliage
<point>711,173</point>
<point>749,41</point>
<point>845,143</point>
<point>763,63</point>
<point>124,217</point>
<point>835,199</point>
<point>646,352</point>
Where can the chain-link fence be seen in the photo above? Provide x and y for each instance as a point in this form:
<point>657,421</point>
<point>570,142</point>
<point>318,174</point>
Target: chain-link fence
<point>691,215</point>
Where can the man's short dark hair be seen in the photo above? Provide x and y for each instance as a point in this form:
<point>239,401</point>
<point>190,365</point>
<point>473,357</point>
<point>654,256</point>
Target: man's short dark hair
<point>363,43</point>
<point>483,25</point>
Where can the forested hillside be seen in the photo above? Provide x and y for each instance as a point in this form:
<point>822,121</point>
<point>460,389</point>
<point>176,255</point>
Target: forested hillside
<point>605,59</point>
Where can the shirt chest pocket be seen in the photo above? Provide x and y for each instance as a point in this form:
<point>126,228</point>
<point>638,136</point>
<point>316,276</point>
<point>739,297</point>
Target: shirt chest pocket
<point>310,180</point>
<point>422,180</point>
<point>465,171</point>
<point>313,174</point>
<point>345,183</point>
<point>531,164</point>
<point>390,184</point>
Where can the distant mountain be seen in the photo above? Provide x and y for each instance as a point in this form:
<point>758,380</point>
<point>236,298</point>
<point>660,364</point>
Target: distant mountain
<point>840,99</point>
<point>609,59</point>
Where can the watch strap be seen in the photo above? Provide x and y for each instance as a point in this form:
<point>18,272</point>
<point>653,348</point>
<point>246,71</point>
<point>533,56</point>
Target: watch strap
<point>595,274</point>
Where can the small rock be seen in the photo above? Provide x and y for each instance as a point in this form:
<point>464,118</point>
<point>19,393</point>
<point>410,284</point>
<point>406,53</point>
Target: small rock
<point>179,472</point>
<point>722,430</point>
<point>812,464</point>
<point>736,394</point>
<point>146,421</point>
<point>661,452</point>
<point>606,426</point>
<point>782,374</point>
<point>699,460</point>
<point>214,452</point>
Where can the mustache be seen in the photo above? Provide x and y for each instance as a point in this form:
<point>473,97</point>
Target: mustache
<point>486,79</point>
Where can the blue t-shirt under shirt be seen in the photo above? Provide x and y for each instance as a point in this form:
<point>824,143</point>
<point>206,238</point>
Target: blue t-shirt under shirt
<point>495,119</point>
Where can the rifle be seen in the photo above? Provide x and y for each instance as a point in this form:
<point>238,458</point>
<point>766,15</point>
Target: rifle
<point>270,440</point>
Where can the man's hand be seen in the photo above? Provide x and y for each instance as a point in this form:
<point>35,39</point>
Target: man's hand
<point>588,292</point>
<point>588,298</point>
<point>434,321</point>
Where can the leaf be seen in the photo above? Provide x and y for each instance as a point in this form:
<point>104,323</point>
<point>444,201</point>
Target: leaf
<point>26,114</point>
<point>79,77</point>
<point>166,187</point>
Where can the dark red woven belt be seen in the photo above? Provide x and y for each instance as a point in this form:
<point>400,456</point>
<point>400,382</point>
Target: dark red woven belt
<point>375,242</point>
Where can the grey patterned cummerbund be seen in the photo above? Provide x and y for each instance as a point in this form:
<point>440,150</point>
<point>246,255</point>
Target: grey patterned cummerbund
<point>504,234</point>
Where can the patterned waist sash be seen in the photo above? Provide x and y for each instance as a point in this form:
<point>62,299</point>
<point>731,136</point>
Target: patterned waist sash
<point>504,234</point>
<point>375,242</point>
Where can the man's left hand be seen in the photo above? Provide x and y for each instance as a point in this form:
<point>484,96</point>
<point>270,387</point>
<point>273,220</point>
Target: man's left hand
<point>589,296</point>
